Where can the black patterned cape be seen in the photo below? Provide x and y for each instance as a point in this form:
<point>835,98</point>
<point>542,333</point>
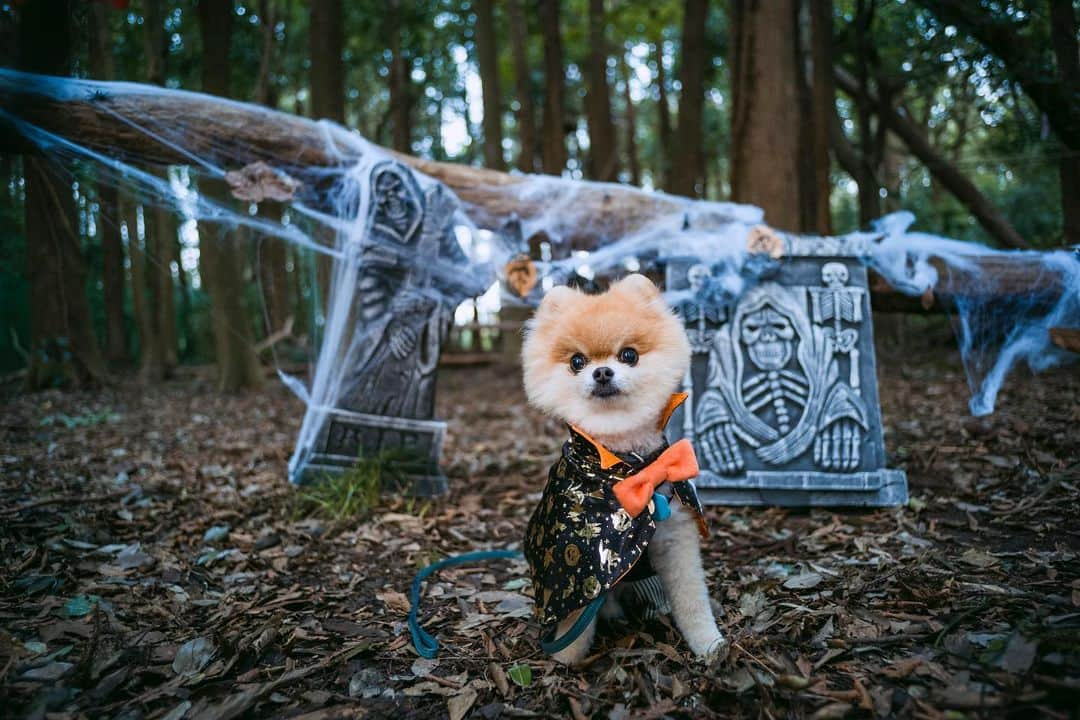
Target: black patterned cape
<point>580,542</point>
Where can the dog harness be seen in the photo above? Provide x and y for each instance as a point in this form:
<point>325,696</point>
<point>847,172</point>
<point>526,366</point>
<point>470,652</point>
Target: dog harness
<point>597,515</point>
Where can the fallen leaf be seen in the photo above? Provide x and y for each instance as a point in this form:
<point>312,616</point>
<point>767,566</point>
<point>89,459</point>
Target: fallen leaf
<point>458,705</point>
<point>521,675</point>
<point>193,656</point>
<point>804,581</point>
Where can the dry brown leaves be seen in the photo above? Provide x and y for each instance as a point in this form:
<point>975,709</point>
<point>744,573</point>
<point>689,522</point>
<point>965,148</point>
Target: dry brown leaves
<point>151,568</point>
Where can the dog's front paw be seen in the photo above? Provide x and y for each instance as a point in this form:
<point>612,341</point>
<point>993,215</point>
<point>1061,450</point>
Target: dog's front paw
<point>709,648</point>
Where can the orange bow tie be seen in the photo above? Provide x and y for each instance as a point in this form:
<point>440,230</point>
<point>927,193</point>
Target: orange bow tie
<point>675,464</point>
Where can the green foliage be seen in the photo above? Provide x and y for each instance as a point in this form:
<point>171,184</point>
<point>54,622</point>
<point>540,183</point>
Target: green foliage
<point>356,491</point>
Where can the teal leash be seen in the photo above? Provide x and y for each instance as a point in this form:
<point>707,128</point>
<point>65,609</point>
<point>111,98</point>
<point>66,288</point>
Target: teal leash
<point>428,647</point>
<point>424,642</point>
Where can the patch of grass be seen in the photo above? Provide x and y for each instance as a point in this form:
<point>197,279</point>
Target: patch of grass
<point>356,492</point>
<point>351,494</point>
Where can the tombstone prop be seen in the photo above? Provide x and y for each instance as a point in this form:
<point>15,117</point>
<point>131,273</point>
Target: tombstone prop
<point>407,273</point>
<point>783,406</point>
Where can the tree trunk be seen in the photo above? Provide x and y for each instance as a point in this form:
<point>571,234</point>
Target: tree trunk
<point>327,70</point>
<point>63,348</point>
<point>164,253</point>
<point>272,260</point>
<point>151,362</point>
<point>689,142</point>
<point>112,244</point>
<point>633,164</point>
<point>1063,29</point>
<point>526,114</point>
<point>157,329</point>
<point>400,100</point>
<point>488,60</point>
<point>554,142</point>
<point>766,118</point>
<point>265,91</point>
<point>220,260</point>
<point>602,163</point>
<point>817,215</point>
<point>663,118</point>
<point>985,212</point>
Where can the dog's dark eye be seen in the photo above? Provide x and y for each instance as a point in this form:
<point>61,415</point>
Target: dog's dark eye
<point>578,362</point>
<point>628,356</point>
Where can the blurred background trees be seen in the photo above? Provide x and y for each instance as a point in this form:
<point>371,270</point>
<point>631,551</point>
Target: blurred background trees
<point>826,113</point>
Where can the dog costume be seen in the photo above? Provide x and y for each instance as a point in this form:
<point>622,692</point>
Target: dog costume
<point>597,516</point>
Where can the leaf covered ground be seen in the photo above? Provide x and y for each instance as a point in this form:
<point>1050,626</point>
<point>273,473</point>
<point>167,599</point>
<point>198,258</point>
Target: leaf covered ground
<point>154,563</point>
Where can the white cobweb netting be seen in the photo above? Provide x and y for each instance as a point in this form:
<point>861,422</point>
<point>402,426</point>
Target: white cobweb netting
<point>404,251</point>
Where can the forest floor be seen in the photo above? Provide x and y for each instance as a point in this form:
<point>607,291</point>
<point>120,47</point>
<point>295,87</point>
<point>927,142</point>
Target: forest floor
<point>153,563</point>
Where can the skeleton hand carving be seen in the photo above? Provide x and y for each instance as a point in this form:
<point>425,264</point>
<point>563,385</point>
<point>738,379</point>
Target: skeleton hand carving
<point>715,435</point>
<point>836,447</point>
<point>402,341</point>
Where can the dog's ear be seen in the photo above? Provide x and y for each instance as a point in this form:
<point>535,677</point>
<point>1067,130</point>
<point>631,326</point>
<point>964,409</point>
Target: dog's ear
<point>637,285</point>
<point>555,300</point>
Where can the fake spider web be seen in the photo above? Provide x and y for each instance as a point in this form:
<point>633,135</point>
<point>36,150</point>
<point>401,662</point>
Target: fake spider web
<point>385,286</point>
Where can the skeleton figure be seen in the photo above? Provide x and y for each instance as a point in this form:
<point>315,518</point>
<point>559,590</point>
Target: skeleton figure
<point>404,274</point>
<point>839,303</point>
<point>773,386</point>
<point>697,311</point>
<point>768,337</point>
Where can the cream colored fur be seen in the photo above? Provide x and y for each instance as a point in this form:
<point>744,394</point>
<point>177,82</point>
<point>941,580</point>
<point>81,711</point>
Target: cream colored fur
<point>631,314</point>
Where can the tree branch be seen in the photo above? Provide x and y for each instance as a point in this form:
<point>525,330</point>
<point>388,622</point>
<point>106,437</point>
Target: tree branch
<point>945,172</point>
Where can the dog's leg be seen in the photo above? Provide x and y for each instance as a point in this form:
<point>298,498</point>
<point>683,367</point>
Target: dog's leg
<point>576,651</point>
<point>675,554</point>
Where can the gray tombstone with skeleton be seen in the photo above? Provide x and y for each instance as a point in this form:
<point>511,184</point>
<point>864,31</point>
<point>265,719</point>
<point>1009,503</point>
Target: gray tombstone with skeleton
<point>783,406</point>
<point>407,276</point>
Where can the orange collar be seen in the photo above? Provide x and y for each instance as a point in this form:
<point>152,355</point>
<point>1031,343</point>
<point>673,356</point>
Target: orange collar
<point>609,459</point>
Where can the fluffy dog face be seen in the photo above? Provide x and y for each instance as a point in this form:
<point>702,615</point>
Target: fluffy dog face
<point>605,363</point>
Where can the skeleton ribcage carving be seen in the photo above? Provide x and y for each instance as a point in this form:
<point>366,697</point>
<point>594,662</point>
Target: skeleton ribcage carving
<point>777,388</point>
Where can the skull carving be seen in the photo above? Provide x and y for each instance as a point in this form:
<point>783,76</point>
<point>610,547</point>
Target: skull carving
<point>834,275</point>
<point>697,276</point>
<point>768,337</point>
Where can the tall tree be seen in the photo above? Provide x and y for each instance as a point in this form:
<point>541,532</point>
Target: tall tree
<point>1067,55</point>
<point>526,114</point>
<point>663,117</point>
<point>326,29</point>
<point>768,143</point>
<point>112,244</point>
<point>63,348</point>
<point>633,163</point>
<point>602,163</point>
<point>554,129</point>
<point>273,256</point>
<point>487,59</point>
<point>687,170</point>
<point>400,96</point>
<point>220,260</point>
<point>819,91</point>
<point>158,343</point>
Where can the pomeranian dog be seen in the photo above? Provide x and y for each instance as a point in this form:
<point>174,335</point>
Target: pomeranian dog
<point>608,366</point>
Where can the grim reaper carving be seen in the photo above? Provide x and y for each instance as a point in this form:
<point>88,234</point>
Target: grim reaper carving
<point>406,272</point>
<point>774,386</point>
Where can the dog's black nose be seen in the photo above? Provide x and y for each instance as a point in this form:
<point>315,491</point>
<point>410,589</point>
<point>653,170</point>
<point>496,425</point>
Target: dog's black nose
<point>603,375</point>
